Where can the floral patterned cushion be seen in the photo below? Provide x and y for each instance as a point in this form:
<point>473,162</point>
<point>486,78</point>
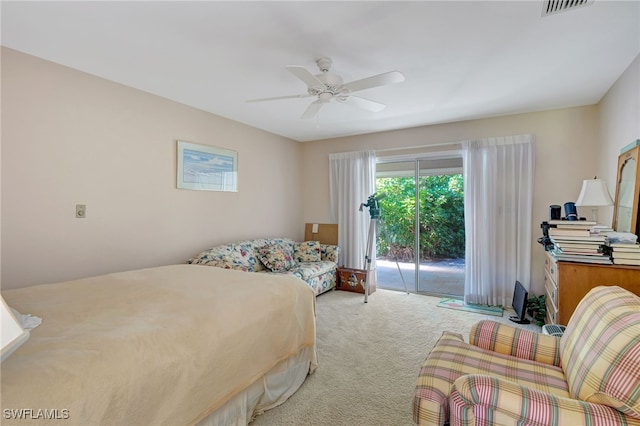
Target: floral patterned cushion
<point>307,270</point>
<point>230,256</point>
<point>276,257</point>
<point>329,252</point>
<point>308,251</point>
<point>229,262</point>
<point>210,257</point>
<point>243,255</point>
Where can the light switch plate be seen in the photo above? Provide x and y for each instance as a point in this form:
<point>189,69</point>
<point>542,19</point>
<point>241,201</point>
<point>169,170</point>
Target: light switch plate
<point>81,211</point>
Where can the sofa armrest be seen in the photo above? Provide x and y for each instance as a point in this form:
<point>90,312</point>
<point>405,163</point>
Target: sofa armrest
<point>518,342</point>
<point>497,401</point>
<point>329,252</point>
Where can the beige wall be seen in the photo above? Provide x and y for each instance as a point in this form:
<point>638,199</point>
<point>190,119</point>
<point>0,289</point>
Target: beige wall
<point>71,138</point>
<point>619,113</point>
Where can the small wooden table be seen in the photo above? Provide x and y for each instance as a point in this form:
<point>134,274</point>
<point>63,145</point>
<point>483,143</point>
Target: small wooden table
<point>350,279</point>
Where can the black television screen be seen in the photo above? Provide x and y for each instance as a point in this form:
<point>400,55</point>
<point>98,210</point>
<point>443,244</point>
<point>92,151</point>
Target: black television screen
<point>519,304</point>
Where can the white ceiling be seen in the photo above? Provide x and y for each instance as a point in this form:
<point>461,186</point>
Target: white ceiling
<point>461,60</point>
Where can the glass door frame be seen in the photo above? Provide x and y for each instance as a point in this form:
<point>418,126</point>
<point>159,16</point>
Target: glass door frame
<point>416,159</point>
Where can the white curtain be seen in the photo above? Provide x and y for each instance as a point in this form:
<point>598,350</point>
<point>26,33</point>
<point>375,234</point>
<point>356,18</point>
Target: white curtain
<point>498,193</point>
<point>352,179</point>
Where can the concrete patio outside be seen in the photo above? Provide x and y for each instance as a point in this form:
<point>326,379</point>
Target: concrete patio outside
<point>439,277</point>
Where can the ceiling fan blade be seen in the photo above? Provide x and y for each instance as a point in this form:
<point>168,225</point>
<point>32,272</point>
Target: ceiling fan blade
<point>304,95</point>
<point>365,104</point>
<point>375,81</point>
<point>303,74</point>
<point>312,110</point>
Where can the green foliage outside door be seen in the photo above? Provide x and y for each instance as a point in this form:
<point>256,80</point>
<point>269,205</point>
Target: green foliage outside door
<point>441,217</point>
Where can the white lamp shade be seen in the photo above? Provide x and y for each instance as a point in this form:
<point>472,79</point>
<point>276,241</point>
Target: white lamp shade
<point>13,335</point>
<point>594,193</point>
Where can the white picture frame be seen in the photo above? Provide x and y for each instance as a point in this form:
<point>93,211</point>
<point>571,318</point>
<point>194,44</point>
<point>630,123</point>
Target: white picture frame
<point>206,168</point>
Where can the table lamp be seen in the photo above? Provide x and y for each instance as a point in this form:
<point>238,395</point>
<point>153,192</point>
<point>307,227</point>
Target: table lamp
<point>13,335</point>
<point>594,194</point>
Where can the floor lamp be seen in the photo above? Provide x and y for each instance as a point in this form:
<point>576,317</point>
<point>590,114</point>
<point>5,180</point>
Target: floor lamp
<point>594,194</point>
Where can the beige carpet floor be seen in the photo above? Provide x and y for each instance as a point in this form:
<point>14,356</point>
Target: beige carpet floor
<point>369,356</point>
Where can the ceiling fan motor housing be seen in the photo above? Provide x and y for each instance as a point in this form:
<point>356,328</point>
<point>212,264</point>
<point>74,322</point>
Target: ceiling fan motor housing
<point>332,83</point>
<point>324,64</point>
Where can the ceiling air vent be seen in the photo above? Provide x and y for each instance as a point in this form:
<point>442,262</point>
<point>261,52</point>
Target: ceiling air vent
<point>551,7</point>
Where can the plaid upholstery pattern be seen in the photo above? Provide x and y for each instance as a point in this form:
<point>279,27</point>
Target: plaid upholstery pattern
<point>452,358</point>
<point>484,400</point>
<point>590,376</point>
<point>518,342</point>
<point>600,349</point>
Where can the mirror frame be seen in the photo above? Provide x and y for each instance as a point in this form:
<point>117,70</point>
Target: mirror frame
<point>633,153</point>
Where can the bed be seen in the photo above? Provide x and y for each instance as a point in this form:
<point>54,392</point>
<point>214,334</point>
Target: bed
<point>174,345</point>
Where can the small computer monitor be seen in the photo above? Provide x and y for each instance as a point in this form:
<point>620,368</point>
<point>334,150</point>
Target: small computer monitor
<point>519,304</point>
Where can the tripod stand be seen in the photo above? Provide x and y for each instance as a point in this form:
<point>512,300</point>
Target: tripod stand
<point>371,240</point>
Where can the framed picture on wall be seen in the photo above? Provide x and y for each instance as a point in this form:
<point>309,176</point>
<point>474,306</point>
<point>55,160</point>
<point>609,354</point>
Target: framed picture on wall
<point>207,168</point>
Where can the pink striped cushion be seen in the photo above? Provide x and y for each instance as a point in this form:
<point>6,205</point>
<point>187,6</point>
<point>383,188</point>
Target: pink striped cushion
<point>600,349</point>
<point>518,342</point>
<point>484,400</point>
<point>452,358</point>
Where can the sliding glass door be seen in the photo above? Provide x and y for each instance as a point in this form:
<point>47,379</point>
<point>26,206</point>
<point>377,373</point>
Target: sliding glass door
<point>421,236</point>
<point>441,227</point>
<point>396,242</point>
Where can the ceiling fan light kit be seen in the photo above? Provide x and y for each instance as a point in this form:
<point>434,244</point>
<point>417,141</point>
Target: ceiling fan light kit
<point>327,86</point>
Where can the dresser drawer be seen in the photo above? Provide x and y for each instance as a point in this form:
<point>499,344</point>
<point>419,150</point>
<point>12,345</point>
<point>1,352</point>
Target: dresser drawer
<point>551,267</point>
<point>551,317</point>
<point>550,288</point>
<point>551,302</point>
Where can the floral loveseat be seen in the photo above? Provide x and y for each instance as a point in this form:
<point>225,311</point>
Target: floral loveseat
<point>310,261</point>
<point>508,376</point>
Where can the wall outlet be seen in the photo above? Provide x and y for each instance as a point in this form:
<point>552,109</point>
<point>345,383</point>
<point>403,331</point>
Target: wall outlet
<point>81,211</point>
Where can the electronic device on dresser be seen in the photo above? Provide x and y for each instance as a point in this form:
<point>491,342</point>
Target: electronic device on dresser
<point>519,304</point>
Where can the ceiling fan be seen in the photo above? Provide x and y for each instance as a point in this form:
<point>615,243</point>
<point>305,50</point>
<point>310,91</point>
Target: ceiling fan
<point>327,86</point>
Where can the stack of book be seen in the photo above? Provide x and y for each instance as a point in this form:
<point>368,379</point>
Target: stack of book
<point>579,241</point>
<point>625,253</point>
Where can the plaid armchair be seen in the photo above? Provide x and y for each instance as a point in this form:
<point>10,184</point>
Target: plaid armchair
<point>507,375</point>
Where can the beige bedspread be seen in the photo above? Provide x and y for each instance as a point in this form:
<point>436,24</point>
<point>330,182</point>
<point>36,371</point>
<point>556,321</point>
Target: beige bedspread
<point>164,345</point>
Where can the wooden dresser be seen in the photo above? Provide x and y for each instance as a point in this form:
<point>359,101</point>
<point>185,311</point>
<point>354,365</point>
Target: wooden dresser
<point>566,283</point>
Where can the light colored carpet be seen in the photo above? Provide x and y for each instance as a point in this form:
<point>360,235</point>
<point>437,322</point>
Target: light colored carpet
<point>369,356</point>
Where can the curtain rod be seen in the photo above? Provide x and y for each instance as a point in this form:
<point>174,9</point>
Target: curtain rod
<point>520,136</point>
<point>419,146</point>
